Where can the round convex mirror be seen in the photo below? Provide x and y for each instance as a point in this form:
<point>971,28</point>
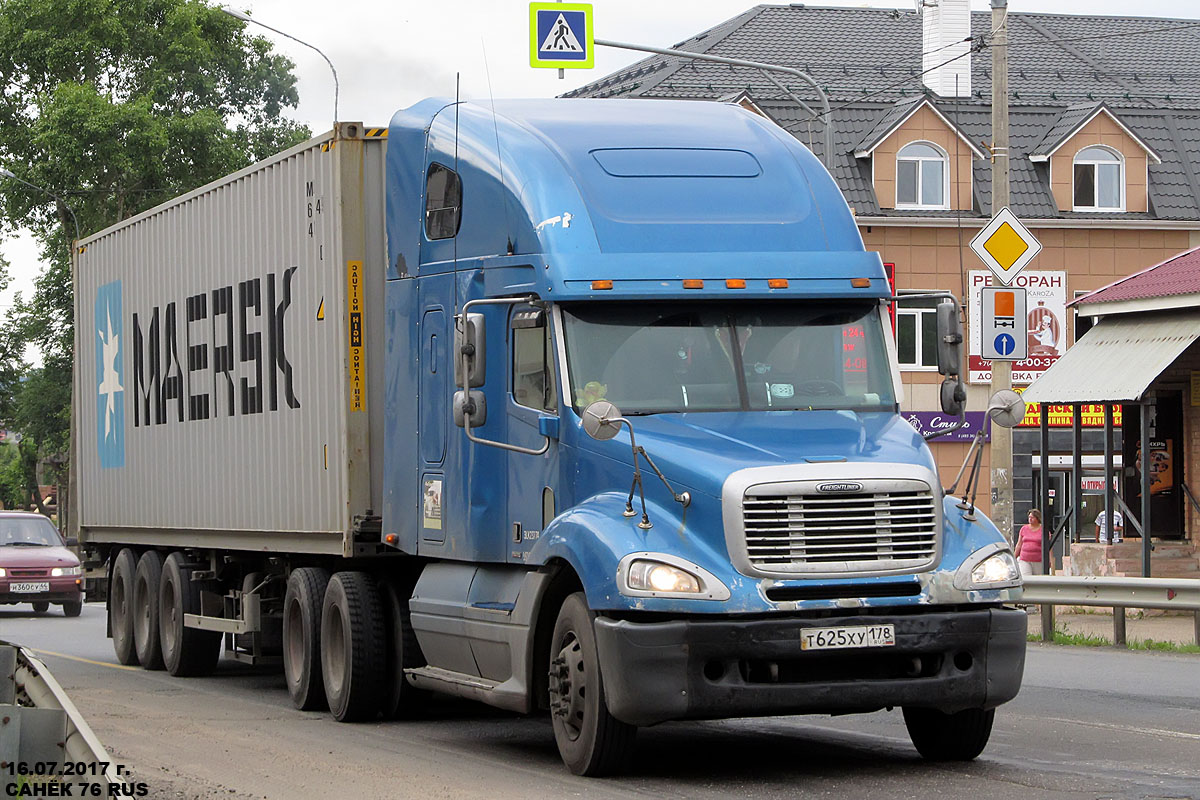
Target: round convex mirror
<point>600,420</point>
<point>1006,408</point>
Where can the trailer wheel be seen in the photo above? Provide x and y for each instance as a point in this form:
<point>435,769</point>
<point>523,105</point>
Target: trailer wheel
<point>120,606</point>
<point>590,740</point>
<point>145,609</point>
<point>404,699</point>
<point>949,737</point>
<point>72,608</point>
<point>41,607</point>
<point>302,637</point>
<point>353,657</point>
<point>186,651</point>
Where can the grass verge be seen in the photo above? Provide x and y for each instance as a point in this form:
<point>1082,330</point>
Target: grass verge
<point>1062,636</point>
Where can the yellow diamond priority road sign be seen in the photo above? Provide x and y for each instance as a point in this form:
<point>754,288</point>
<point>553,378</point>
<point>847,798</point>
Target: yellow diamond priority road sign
<point>1005,246</point>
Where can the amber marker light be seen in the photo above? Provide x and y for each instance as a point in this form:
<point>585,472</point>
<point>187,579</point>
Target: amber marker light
<point>391,538</point>
<point>735,283</point>
<point>601,285</point>
<point>777,283</point>
<point>693,283</point>
<point>860,283</point>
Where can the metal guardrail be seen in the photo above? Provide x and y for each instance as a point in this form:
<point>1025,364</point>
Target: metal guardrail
<point>42,725</point>
<point>1179,594</point>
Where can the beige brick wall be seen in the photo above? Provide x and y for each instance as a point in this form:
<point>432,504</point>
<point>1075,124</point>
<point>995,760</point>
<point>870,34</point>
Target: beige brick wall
<point>1102,130</point>
<point>923,126</point>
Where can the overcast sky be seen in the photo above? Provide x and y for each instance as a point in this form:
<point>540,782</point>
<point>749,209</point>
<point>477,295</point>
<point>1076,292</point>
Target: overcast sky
<point>390,54</point>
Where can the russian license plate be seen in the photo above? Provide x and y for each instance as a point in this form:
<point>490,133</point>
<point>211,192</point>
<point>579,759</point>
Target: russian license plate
<point>849,636</point>
<point>29,588</point>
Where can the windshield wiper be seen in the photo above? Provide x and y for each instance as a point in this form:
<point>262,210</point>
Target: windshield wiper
<point>29,544</point>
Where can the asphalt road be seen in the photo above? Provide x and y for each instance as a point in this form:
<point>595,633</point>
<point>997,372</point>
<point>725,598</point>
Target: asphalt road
<point>1087,724</point>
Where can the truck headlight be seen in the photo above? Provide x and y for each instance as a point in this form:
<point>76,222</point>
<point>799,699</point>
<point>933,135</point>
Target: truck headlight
<point>662,575</point>
<point>989,567</point>
<point>59,572</point>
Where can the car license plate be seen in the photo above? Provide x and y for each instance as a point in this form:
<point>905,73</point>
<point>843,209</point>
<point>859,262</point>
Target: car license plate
<point>850,636</point>
<point>29,588</point>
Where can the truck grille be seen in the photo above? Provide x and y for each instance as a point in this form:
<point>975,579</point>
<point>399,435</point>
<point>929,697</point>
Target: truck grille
<point>871,531</point>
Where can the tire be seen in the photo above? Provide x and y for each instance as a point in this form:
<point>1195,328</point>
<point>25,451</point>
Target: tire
<point>404,700</point>
<point>72,608</point>
<point>949,737</point>
<point>302,637</point>
<point>353,647</point>
<point>120,606</point>
<point>145,610</point>
<point>187,652</point>
<point>41,607</point>
<point>590,740</point>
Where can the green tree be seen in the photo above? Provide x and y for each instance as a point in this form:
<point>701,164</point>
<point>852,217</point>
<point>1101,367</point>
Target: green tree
<point>116,106</point>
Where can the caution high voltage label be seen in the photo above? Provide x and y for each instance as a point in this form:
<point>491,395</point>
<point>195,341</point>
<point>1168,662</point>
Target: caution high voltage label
<point>357,351</point>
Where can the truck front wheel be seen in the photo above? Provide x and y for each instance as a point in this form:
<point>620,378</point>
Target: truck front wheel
<point>590,740</point>
<point>145,609</point>
<point>302,637</point>
<point>120,606</point>
<point>939,736</point>
<point>186,651</point>
<point>353,657</point>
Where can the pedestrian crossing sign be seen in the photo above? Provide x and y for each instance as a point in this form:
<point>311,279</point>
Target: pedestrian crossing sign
<point>560,36</point>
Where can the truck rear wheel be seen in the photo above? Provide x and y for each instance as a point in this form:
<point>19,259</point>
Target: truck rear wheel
<point>145,609</point>
<point>302,637</point>
<point>939,736</point>
<point>186,651</point>
<point>590,740</point>
<point>404,699</point>
<point>353,657</point>
<point>120,606</point>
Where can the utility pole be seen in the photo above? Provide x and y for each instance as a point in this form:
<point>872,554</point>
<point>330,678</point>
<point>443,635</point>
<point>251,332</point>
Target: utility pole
<point>1001,454</point>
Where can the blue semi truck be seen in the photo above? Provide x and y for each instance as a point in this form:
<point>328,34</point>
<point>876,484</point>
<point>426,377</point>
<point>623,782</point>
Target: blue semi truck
<point>587,407</point>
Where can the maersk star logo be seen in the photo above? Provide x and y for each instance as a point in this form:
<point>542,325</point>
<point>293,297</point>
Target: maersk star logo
<point>110,389</point>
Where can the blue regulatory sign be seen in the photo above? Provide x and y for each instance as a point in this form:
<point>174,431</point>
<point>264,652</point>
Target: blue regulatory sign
<point>1005,344</point>
<point>560,35</point>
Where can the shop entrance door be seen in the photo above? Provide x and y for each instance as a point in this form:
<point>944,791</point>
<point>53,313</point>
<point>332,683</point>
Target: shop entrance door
<point>1061,498</point>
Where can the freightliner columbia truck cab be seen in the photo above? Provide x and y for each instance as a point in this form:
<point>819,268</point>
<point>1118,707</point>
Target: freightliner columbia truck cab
<point>647,445</point>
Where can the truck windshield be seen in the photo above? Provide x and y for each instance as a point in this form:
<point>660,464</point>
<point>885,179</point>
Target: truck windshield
<point>652,358</point>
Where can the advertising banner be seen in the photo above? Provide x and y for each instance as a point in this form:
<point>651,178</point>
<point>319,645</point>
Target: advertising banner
<point>1046,322</point>
<point>930,421</point>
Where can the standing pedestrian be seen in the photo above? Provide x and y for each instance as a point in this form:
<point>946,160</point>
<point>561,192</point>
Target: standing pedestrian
<point>1029,545</point>
<point>1102,528</point>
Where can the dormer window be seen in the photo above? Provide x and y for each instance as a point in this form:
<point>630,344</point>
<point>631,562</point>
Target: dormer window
<point>922,177</point>
<point>1099,180</point>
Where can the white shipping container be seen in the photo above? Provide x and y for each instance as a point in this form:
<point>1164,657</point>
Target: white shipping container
<point>229,344</point>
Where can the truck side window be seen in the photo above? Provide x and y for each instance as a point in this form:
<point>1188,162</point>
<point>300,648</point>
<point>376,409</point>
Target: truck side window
<point>443,202</point>
<point>533,382</point>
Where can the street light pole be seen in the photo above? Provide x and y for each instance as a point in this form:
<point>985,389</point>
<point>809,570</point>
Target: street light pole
<point>244,17</point>
<point>4,173</point>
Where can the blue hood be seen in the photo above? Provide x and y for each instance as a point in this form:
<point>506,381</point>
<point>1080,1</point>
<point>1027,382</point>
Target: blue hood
<point>700,450</point>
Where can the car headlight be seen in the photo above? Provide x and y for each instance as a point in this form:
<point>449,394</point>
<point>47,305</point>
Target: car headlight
<point>60,572</point>
<point>990,567</point>
<point>662,575</point>
<point>2,572</point>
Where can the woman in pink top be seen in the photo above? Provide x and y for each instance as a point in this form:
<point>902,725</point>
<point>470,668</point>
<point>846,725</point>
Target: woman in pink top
<point>1029,545</point>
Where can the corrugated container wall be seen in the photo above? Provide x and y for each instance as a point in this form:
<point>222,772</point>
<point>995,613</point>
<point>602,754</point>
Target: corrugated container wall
<point>224,371</point>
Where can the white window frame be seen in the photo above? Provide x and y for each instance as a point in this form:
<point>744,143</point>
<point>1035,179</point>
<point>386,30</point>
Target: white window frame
<point>916,313</point>
<point>1094,164</point>
<point>920,160</point>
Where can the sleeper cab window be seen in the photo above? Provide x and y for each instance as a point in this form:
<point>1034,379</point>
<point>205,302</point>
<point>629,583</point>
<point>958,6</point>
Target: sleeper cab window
<point>922,177</point>
<point>443,202</point>
<point>1099,180</point>
<point>532,360</point>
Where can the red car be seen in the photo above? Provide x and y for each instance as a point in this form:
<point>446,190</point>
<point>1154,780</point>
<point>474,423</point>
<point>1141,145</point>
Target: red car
<point>35,565</point>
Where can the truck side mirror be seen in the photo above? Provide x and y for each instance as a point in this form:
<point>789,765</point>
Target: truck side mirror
<point>950,338</point>
<point>954,397</point>
<point>470,403</point>
<point>470,352</point>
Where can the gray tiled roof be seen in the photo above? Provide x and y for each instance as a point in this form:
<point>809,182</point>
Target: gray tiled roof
<point>891,118</point>
<point>1146,71</point>
<point>1068,122</point>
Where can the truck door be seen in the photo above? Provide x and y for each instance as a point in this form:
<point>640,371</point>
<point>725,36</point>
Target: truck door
<point>532,407</point>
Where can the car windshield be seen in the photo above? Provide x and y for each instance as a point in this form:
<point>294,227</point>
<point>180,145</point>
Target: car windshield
<point>651,358</point>
<point>28,532</point>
